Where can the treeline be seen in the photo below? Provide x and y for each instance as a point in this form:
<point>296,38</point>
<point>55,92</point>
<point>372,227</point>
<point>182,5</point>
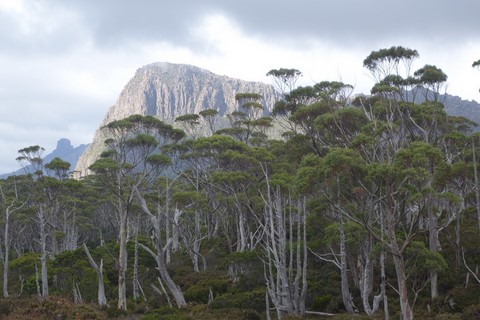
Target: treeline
<point>365,204</point>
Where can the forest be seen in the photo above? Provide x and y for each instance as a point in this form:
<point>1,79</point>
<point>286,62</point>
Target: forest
<point>340,205</point>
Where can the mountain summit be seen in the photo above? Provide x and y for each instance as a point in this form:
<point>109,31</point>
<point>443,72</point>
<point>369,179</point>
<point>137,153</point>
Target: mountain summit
<point>64,151</point>
<point>169,90</point>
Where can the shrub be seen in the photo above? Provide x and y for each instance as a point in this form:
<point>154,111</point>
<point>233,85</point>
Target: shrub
<point>320,303</point>
<point>241,300</point>
<point>200,291</point>
<point>164,313</point>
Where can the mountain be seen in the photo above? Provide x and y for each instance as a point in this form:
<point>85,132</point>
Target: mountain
<point>64,150</point>
<point>456,106</point>
<point>169,90</point>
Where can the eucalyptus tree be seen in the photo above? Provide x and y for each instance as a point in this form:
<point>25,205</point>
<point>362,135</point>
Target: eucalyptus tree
<point>433,79</point>
<point>284,79</point>
<point>285,238</point>
<point>221,168</point>
<point>192,204</point>
<point>307,104</point>
<point>14,197</point>
<point>189,123</point>
<point>128,167</point>
<point>247,120</point>
<point>394,64</point>
<point>330,179</point>
<point>47,186</point>
<point>210,116</point>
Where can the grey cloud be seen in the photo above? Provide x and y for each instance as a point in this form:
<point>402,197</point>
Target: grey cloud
<point>48,112</point>
<point>113,23</point>
<point>340,21</point>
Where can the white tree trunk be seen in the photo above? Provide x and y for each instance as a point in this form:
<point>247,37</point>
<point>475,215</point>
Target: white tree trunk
<point>346,295</point>
<point>159,256</point>
<point>102,300</point>
<point>284,270</point>
<point>136,293</point>
<point>43,253</point>
<point>122,262</point>
<point>6,254</point>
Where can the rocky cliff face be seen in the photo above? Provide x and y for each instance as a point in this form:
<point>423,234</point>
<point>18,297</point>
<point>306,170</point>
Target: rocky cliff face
<point>169,90</point>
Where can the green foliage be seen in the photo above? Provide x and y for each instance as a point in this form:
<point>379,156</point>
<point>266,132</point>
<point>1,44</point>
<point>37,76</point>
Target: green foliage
<point>320,303</point>
<point>429,75</point>
<point>200,291</point>
<point>192,118</point>
<point>284,73</point>
<point>208,113</point>
<point>242,300</point>
<point>392,55</point>
<point>103,165</point>
<point>165,313</point>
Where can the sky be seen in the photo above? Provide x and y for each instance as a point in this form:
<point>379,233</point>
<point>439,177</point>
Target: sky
<point>63,63</point>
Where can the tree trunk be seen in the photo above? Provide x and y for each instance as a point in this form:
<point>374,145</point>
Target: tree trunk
<point>102,300</point>
<point>176,232</point>
<point>402,287</point>
<point>136,293</point>
<point>433,246</point>
<point>162,268</point>
<point>6,254</point>
<point>477,187</point>
<point>346,296</point>
<point>122,261</point>
<point>43,253</point>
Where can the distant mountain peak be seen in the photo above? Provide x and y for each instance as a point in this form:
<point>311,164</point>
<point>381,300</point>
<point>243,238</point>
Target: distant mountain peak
<point>64,145</point>
<point>168,90</point>
<point>64,151</point>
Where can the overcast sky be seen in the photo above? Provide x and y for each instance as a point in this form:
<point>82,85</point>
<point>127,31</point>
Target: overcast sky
<point>63,63</point>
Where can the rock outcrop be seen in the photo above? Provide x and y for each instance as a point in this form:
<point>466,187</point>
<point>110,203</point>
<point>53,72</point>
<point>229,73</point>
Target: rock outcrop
<point>167,90</point>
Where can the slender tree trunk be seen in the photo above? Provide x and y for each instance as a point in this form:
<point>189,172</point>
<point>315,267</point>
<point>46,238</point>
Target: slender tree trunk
<point>196,242</point>
<point>386,314</point>
<point>477,187</point>
<point>458,234</point>
<point>400,271</point>
<point>43,253</point>
<point>168,225</point>
<point>122,261</point>
<point>402,287</point>
<point>136,293</point>
<point>102,300</point>
<point>433,246</point>
<point>6,254</point>
<point>159,255</point>
<point>162,268</point>
<point>346,296</point>
<point>241,238</point>
<point>176,233</point>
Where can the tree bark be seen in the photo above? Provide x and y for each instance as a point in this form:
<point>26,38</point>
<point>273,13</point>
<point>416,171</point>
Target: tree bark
<point>477,187</point>
<point>43,254</point>
<point>102,300</point>
<point>346,296</point>
<point>6,254</point>
<point>122,260</point>
<point>162,268</point>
